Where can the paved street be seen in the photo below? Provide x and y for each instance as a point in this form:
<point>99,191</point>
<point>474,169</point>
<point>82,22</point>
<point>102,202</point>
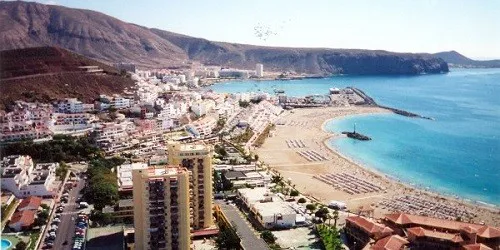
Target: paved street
<point>249,238</point>
<point>66,229</point>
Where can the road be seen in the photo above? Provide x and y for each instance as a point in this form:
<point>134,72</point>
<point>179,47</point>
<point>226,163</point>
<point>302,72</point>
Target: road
<point>249,239</point>
<point>66,230</point>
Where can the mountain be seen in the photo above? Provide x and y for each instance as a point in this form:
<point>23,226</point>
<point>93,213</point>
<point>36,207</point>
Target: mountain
<point>96,35</point>
<point>47,73</point>
<point>455,59</point>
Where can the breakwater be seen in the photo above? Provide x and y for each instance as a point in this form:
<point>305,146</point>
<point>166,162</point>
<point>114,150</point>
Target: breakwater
<point>370,102</point>
<point>357,136</point>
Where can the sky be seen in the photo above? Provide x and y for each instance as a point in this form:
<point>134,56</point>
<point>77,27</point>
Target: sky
<point>469,27</point>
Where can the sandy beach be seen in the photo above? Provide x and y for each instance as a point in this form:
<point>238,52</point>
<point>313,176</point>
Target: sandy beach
<point>298,150</point>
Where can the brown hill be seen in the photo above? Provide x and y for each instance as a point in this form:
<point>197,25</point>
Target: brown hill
<point>105,38</point>
<point>48,73</point>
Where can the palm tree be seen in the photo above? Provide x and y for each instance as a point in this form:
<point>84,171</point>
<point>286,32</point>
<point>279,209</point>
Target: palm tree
<point>335,217</point>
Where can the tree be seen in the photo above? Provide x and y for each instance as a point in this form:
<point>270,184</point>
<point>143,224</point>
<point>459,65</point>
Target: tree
<point>256,157</point>
<point>227,238</point>
<point>41,218</point>
<point>330,237</point>
<point>101,218</point>
<point>294,193</point>
<point>311,207</point>
<point>276,178</point>
<point>243,104</point>
<point>21,245</point>
<point>62,170</point>
<point>102,187</point>
<point>322,213</point>
<point>268,237</point>
<point>335,217</point>
<point>302,200</point>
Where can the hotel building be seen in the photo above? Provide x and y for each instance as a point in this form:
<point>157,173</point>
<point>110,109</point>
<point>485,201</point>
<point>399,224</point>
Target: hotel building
<point>21,177</point>
<point>161,208</point>
<point>198,160</point>
<point>404,231</point>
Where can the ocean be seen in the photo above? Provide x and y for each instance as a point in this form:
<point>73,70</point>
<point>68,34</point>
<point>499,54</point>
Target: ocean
<point>457,153</point>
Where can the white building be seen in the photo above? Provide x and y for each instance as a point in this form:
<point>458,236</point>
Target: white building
<point>259,70</point>
<point>112,137</point>
<point>202,127</point>
<point>64,123</point>
<point>70,105</point>
<point>23,179</point>
<point>116,101</point>
<point>203,107</point>
<point>269,210</point>
<point>28,123</point>
<point>124,174</point>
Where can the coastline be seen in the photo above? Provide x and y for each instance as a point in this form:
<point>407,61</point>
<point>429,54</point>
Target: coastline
<point>374,171</point>
<point>290,165</point>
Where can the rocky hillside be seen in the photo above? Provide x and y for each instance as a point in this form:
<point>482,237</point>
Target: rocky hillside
<point>456,59</point>
<point>108,39</point>
<point>47,73</point>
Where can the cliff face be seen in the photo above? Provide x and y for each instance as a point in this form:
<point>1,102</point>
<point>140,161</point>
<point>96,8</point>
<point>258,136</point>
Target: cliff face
<point>108,39</point>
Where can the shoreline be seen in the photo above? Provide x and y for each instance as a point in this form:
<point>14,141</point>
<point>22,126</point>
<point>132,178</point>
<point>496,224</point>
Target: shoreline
<point>308,125</point>
<point>374,171</point>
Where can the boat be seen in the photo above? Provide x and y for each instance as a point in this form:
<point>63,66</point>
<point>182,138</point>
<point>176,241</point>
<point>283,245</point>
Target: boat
<point>279,91</point>
<point>334,91</point>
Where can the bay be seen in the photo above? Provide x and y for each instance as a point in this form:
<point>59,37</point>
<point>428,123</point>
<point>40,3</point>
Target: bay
<point>458,153</point>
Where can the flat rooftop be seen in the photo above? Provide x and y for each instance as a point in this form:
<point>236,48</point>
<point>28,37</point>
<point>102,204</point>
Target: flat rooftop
<point>255,194</point>
<point>274,207</point>
<point>191,147</point>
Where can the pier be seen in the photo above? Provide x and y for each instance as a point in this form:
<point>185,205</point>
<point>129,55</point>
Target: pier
<point>370,102</point>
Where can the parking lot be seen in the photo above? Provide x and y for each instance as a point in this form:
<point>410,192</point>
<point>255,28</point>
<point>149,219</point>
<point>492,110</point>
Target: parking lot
<point>67,228</point>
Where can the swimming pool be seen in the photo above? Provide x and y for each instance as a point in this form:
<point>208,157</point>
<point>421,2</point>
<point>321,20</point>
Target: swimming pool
<point>5,244</point>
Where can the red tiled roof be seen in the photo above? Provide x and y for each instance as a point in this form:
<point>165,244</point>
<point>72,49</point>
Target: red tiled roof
<point>369,226</point>
<point>26,218</point>
<point>393,242</point>
<point>476,247</point>
<point>420,232</point>
<point>31,201</point>
<point>488,232</point>
<point>469,229</point>
<point>403,219</point>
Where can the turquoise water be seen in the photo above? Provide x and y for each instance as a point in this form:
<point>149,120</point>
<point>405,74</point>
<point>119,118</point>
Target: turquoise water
<point>458,153</point>
<point>5,244</point>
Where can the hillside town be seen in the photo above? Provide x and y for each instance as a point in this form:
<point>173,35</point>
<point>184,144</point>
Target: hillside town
<point>170,164</point>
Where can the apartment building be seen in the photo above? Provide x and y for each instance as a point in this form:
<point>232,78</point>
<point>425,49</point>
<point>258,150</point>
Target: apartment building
<point>259,70</point>
<point>112,137</point>
<point>161,208</point>
<point>116,101</point>
<point>202,107</point>
<point>62,122</point>
<point>26,123</point>
<point>69,106</point>
<point>23,179</point>
<point>198,160</point>
<point>202,127</point>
